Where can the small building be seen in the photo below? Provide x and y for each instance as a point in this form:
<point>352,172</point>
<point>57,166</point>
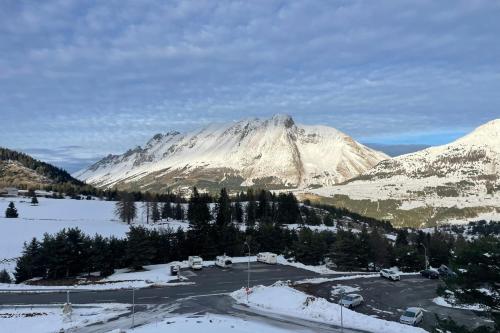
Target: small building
<point>9,192</point>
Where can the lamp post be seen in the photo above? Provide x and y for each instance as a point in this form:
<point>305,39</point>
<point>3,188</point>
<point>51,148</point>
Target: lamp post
<point>342,291</point>
<point>425,255</point>
<point>133,307</point>
<point>248,270</point>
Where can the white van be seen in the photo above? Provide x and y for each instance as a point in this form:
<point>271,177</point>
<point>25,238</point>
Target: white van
<point>195,262</point>
<point>268,258</point>
<point>223,261</point>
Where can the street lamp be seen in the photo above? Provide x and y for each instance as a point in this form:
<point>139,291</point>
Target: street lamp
<point>133,307</point>
<point>425,255</point>
<point>248,270</point>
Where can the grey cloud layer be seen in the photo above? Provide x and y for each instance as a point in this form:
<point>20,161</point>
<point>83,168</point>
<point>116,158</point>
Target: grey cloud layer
<point>107,75</point>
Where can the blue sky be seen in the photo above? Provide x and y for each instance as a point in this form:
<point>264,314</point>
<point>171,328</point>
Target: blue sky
<point>81,79</point>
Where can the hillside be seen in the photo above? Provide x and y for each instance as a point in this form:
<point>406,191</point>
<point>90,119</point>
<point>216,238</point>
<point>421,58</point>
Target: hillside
<point>273,153</point>
<point>454,181</point>
<point>23,171</point>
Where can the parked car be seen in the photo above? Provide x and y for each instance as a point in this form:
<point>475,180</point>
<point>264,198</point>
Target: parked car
<point>174,269</point>
<point>267,257</point>
<point>390,274</point>
<point>430,273</point>
<point>223,261</point>
<point>446,272</point>
<point>412,316</point>
<point>195,262</point>
<point>351,300</point>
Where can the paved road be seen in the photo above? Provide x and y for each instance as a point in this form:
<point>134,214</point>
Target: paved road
<point>210,280</point>
<point>388,299</point>
<point>207,295</point>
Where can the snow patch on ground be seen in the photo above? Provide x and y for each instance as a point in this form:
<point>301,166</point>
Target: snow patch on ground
<point>320,269</point>
<point>208,323</point>
<point>441,301</point>
<point>51,319</point>
<point>343,289</point>
<point>284,300</point>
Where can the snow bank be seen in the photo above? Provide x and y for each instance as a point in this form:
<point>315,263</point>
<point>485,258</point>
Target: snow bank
<point>50,319</point>
<point>441,301</point>
<point>320,269</point>
<point>284,300</point>
<point>208,323</point>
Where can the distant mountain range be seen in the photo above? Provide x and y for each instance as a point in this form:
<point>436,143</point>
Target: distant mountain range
<point>460,180</point>
<point>455,182</point>
<point>273,153</point>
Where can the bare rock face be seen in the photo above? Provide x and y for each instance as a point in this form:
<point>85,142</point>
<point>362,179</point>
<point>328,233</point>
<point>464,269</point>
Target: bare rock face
<point>272,153</point>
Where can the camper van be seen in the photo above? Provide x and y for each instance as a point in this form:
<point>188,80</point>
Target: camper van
<point>223,261</point>
<point>267,257</point>
<point>195,262</point>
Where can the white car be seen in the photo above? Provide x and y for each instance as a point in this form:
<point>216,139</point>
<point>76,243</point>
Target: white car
<point>351,300</point>
<point>390,274</point>
<point>412,316</point>
<point>267,258</point>
<point>195,262</point>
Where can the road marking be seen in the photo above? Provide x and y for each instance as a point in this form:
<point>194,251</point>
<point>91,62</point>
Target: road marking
<point>147,297</point>
<point>182,294</point>
<point>105,300</point>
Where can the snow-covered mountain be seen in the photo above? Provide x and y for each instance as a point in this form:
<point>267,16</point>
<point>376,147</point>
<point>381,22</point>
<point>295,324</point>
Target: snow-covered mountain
<point>463,175</point>
<point>273,153</point>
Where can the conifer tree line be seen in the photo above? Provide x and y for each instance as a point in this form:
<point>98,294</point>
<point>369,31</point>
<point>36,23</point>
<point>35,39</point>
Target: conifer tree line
<point>245,207</point>
<point>70,252</point>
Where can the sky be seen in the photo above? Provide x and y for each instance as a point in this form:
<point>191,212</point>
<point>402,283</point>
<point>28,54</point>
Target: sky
<point>82,79</point>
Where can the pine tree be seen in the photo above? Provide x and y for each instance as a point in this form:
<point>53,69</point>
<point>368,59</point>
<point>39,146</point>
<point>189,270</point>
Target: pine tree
<point>166,211</point>
<point>237,212</point>
<point>264,208</point>
<point>179,212</point>
<point>34,201</point>
<point>198,211</point>
<point>155,212</point>
<point>140,250</point>
<point>379,250</point>
<point>288,209</point>
<point>344,251</point>
<point>28,265</point>
<point>328,220</point>
<point>363,248</point>
<point>11,211</point>
<point>125,208</point>
<point>223,217</point>
<point>5,277</point>
<point>251,209</point>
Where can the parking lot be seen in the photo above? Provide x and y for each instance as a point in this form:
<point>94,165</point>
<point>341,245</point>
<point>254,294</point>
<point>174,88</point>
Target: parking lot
<point>388,299</point>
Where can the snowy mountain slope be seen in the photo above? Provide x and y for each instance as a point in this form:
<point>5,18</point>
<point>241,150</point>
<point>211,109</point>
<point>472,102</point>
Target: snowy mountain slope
<point>273,153</point>
<point>462,174</point>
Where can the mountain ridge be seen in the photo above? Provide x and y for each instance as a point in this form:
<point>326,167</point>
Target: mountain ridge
<point>273,153</point>
<point>456,181</point>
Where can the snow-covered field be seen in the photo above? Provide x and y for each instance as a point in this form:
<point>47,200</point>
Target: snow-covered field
<point>52,215</point>
<point>51,319</point>
<point>284,300</point>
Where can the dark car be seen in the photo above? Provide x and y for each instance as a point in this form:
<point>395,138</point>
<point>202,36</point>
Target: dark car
<point>430,274</point>
<point>174,269</point>
<point>446,272</point>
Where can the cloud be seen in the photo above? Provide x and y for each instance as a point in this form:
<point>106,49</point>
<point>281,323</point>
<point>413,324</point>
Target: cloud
<point>107,75</point>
